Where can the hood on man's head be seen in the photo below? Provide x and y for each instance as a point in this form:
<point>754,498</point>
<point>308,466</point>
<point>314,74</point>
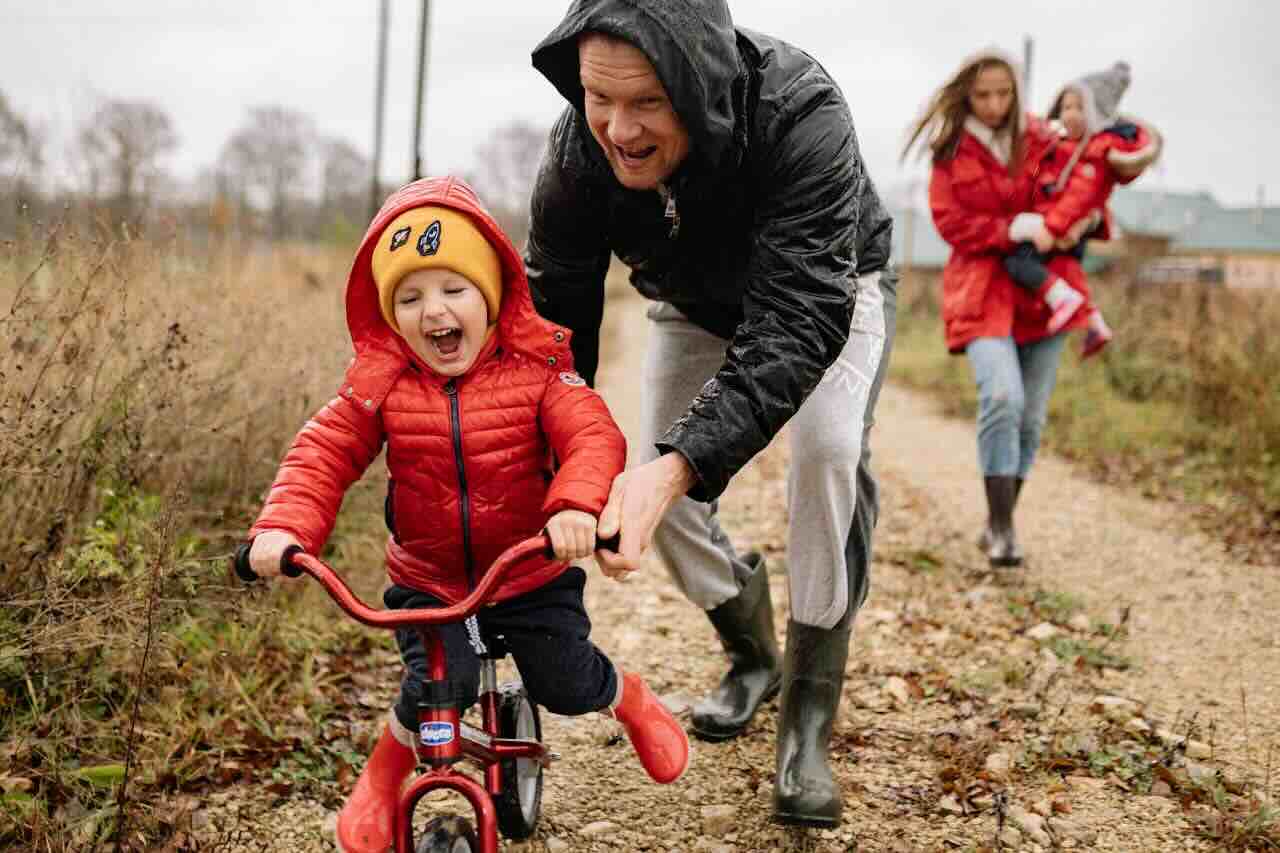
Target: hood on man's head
<point>692,45</point>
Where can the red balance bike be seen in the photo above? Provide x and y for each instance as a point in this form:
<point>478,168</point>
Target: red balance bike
<point>509,745</point>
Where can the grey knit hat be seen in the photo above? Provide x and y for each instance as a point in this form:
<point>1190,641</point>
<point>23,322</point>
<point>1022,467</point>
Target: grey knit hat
<point>1100,92</point>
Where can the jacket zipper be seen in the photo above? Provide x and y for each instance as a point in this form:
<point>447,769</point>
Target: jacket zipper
<point>455,421</point>
<point>671,212</point>
<point>389,509</point>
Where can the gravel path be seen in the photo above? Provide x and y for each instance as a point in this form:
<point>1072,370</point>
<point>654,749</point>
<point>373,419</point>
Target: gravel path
<point>1205,631</point>
<point>956,706</point>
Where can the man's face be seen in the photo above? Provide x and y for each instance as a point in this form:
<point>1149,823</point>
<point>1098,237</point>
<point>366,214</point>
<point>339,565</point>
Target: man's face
<point>629,112</point>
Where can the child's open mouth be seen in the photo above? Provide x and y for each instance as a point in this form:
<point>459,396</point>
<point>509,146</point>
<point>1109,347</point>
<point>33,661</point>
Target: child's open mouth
<point>446,341</point>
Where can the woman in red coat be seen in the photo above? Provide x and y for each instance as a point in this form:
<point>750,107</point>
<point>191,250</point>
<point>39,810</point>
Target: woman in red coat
<point>471,392</point>
<point>986,152</point>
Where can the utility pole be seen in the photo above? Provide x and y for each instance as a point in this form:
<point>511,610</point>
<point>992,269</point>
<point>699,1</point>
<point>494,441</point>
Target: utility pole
<point>379,101</point>
<point>909,216</point>
<point>1026,68</point>
<point>422,88</point>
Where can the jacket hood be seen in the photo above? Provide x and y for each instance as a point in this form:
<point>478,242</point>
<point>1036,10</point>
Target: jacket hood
<point>692,45</point>
<point>1100,92</point>
<point>381,353</point>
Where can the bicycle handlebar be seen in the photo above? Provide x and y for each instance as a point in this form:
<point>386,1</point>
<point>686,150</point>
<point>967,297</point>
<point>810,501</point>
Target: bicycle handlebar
<point>296,562</point>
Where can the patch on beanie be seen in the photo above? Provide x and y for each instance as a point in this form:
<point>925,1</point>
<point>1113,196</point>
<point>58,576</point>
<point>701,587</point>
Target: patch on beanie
<point>429,242</point>
<point>399,238</point>
<point>572,379</point>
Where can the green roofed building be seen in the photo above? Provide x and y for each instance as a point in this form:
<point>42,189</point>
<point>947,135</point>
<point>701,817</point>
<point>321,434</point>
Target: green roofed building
<point>1165,236</point>
<point>1181,235</point>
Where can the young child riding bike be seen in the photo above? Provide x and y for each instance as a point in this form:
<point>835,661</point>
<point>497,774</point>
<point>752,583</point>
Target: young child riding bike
<point>491,437</point>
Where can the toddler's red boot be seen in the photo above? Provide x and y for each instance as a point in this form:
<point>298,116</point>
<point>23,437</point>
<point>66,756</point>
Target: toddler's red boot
<point>1064,301</point>
<point>1097,336</point>
<point>659,741</point>
<point>367,819</point>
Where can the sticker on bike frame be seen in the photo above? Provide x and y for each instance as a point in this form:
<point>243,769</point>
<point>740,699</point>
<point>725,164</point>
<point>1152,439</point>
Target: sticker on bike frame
<point>436,734</point>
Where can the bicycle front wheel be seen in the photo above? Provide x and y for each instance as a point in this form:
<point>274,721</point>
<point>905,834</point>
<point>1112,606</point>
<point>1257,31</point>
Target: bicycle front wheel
<point>447,835</point>
<point>518,805</point>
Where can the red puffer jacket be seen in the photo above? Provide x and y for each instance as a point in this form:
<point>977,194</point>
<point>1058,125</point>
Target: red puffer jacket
<point>973,198</point>
<point>468,458</point>
<point>1089,185</point>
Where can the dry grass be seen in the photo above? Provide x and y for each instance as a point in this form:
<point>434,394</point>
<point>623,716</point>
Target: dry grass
<point>134,363</point>
<point>1185,402</point>
<point>147,392</point>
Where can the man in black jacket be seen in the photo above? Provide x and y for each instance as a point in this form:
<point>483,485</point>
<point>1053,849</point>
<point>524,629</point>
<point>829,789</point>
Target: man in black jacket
<point>722,166</point>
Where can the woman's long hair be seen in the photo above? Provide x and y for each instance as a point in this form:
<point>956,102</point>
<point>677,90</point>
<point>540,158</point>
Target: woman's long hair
<point>942,121</point>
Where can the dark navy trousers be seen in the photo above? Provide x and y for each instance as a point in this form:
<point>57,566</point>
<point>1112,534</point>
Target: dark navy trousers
<point>546,631</point>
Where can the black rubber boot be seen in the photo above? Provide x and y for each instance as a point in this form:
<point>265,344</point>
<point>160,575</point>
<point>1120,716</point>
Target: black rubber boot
<point>804,791</point>
<point>1002,493</point>
<point>745,627</point>
<point>984,538</point>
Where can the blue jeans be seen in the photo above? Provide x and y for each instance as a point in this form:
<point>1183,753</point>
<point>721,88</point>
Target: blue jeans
<point>1014,384</point>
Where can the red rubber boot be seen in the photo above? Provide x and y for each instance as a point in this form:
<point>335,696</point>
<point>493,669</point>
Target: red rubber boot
<point>1097,336</point>
<point>367,818</point>
<point>1065,301</point>
<point>659,741</point>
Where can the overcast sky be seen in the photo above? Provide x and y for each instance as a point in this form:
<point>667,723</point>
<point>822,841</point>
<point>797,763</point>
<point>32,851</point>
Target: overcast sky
<point>1206,73</point>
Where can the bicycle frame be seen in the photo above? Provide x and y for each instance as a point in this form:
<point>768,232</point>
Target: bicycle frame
<point>443,739</point>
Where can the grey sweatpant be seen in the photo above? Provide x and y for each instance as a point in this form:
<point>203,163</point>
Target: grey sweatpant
<point>831,494</point>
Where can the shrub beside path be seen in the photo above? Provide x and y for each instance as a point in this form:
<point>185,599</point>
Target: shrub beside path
<point>981,712</point>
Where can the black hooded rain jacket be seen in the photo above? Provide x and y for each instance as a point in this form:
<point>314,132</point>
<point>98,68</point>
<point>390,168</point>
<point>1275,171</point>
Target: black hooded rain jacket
<point>773,217</point>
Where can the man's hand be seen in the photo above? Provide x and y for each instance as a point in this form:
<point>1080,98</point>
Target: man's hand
<point>637,502</point>
<point>268,547</point>
<point>572,533</point>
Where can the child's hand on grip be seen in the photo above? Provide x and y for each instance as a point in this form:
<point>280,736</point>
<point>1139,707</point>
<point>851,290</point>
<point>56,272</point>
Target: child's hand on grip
<point>572,533</point>
<point>268,547</point>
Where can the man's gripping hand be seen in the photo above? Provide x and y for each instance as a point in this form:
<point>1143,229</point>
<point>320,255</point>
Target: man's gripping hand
<point>638,500</point>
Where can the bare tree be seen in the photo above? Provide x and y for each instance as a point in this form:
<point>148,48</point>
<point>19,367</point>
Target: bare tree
<point>20,154</point>
<point>270,155</point>
<point>122,144</point>
<point>506,167</point>
<point>344,177</point>
<point>20,164</point>
<point>221,204</point>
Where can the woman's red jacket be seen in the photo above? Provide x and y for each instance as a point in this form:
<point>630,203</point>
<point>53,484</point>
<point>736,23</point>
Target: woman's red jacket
<point>973,198</point>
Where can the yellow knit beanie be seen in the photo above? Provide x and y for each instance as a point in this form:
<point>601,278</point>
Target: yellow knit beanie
<point>435,237</point>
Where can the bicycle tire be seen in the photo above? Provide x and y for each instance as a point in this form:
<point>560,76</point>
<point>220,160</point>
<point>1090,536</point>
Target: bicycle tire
<point>520,801</point>
<point>447,834</point>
